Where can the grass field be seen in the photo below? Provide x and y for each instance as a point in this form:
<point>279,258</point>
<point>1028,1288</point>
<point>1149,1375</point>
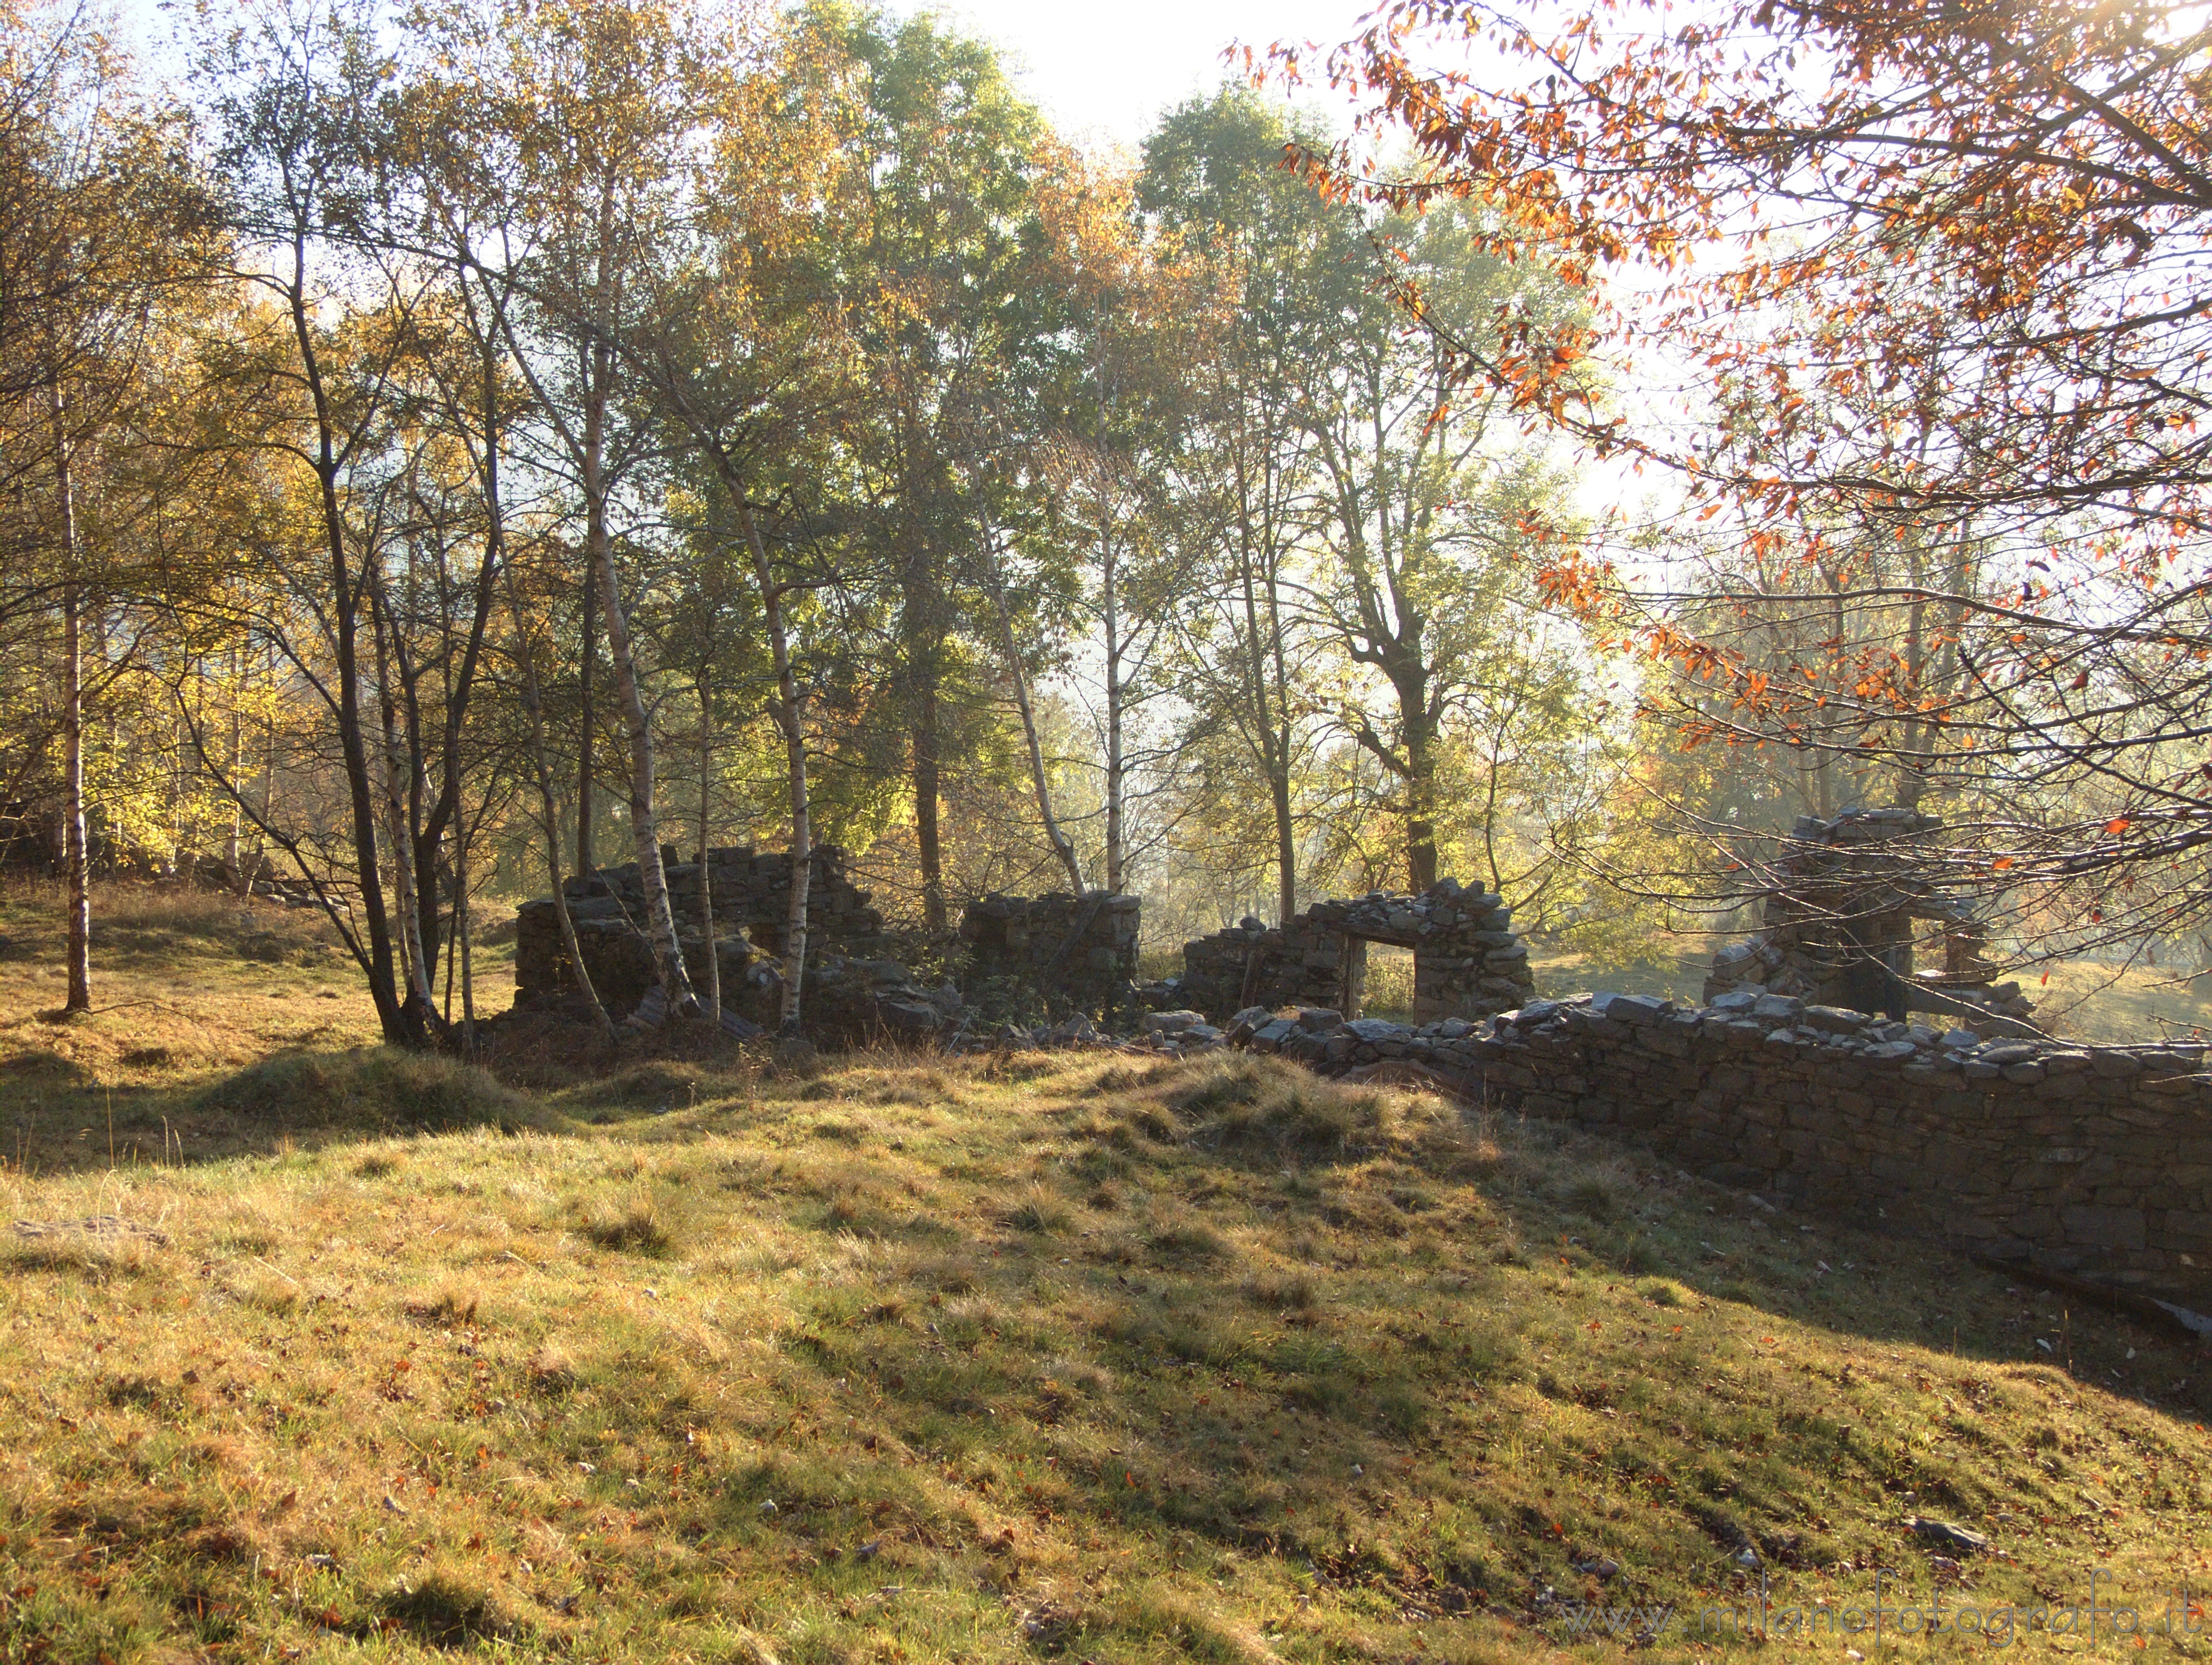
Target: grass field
<point>1049,1357</point>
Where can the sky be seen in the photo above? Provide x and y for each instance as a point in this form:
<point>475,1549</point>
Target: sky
<point>1102,74</point>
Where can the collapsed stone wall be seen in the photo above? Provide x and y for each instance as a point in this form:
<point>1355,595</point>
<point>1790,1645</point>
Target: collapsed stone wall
<point>31,841</point>
<point>258,874</point>
<point>1468,960</point>
<point>751,895</point>
<point>2090,1161</point>
<point>1079,951</point>
<point>1848,895</point>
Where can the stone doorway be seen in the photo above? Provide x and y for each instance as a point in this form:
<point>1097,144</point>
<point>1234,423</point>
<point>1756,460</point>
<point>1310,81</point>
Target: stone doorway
<point>1379,979</point>
<point>1469,962</point>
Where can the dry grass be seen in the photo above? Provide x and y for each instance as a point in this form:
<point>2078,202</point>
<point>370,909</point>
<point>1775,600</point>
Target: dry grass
<point>187,988</point>
<point>921,1360</point>
<point>219,1029</point>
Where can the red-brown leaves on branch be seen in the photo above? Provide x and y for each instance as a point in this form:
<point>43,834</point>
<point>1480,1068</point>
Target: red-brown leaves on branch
<point>1990,207</point>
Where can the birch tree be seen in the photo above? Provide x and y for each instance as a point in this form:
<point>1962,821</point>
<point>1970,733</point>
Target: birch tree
<point>294,91</point>
<point>603,103</point>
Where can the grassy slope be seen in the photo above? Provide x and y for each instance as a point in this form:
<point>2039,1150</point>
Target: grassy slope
<point>1059,1358</point>
<point>184,988</point>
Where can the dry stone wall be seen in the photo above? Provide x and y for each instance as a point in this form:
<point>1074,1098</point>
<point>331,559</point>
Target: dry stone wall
<point>1467,961</point>
<point>751,892</point>
<point>1075,951</point>
<point>1847,896</point>
<point>2091,1160</point>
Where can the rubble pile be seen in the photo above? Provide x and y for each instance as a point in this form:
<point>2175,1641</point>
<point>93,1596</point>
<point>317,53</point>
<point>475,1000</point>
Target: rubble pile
<point>258,878</point>
<point>1775,1024</point>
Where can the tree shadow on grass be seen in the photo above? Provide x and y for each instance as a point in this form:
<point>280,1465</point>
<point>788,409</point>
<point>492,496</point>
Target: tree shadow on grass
<point>1623,1211</point>
<point>1243,1312</point>
<point>55,1116</point>
<point>1111,1351</point>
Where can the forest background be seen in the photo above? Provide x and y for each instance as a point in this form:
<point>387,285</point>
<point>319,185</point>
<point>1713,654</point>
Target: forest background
<point>446,448</point>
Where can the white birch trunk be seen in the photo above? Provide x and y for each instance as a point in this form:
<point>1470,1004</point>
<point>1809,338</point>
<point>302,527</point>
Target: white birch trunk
<point>645,832</point>
<point>707,868</point>
<point>1062,845</point>
<point>791,718</point>
<point>76,863</point>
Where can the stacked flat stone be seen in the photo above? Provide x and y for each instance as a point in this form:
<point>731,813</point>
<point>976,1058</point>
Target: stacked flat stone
<point>2086,1159</point>
<point>262,879</point>
<point>1468,960</point>
<point>1077,951</point>
<point>751,892</point>
<point>1847,894</point>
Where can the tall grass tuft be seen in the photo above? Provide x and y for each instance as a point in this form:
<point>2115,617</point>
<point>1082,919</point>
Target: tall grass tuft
<point>1264,1103</point>
<point>378,1090</point>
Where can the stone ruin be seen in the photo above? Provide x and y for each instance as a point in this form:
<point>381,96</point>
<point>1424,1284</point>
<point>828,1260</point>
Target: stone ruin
<point>1848,897</point>
<point>2074,1159</point>
<point>1467,961</point>
<point>1079,951</point>
<point>1074,951</point>
<point>853,986</point>
<point>257,876</point>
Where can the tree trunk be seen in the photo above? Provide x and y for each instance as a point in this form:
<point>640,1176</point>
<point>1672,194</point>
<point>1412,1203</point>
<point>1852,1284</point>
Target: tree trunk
<point>399,827</point>
<point>790,716</point>
<point>232,841</point>
<point>1420,784</point>
<point>268,770</point>
<point>453,955</point>
<point>1062,845</point>
<point>1116,859</point>
<point>1286,837</point>
<point>595,540</point>
<point>927,786</point>
<point>706,867</point>
<point>77,864</point>
<point>548,815</point>
<point>393,1018</point>
<point>594,534</point>
<point>645,831</point>
<point>424,824</point>
<point>1115,649</point>
<point>1263,649</point>
<point>461,938</point>
<point>1420,838</point>
<point>1286,849</point>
